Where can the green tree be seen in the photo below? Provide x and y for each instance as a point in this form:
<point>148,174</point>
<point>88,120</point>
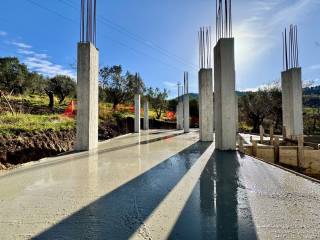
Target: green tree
<point>158,100</point>
<point>260,106</point>
<point>135,84</point>
<point>118,87</point>
<point>62,86</point>
<point>194,108</point>
<point>114,85</point>
<point>254,108</point>
<point>35,83</point>
<point>13,75</point>
<point>172,104</point>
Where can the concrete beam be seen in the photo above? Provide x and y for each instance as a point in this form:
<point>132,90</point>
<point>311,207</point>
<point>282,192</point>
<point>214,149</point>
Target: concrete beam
<point>87,95</point>
<point>292,108</point>
<point>137,115</point>
<point>146,115</point>
<point>225,96</point>
<point>206,105</point>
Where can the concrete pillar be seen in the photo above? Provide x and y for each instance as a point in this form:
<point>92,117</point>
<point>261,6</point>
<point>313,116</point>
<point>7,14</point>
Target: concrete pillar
<point>225,99</point>
<point>186,113</point>
<point>179,115</point>
<point>186,108</point>
<point>87,95</point>
<point>261,133</point>
<point>237,113</point>
<point>181,119</point>
<point>137,107</point>
<point>292,109</point>
<point>300,154</point>
<point>284,132</point>
<point>206,105</point>
<point>146,115</point>
<point>254,148</point>
<point>276,144</point>
<point>271,134</point>
<point>241,147</point>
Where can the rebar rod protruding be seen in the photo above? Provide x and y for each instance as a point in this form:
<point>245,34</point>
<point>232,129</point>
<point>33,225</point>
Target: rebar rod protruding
<point>205,47</point>
<point>88,21</point>
<point>290,48</point>
<point>223,19</point>
<point>186,82</point>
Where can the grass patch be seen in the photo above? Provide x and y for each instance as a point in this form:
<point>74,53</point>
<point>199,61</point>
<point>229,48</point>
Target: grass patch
<point>40,101</point>
<point>15,124</point>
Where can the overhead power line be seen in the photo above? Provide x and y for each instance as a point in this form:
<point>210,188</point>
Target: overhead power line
<point>107,36</point>
<point>134,36</point>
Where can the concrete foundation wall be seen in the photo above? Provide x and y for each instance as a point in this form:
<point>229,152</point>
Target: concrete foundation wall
<point>146,116</point>
<point>137,115</point>
<point>206,105</point>
<point>292,102</point>
<point>186,113</point>
<point>225,96</point>
<point>266,153</point>
<point>87,95</point>
<point>311,161</point>
<point>288,155</point>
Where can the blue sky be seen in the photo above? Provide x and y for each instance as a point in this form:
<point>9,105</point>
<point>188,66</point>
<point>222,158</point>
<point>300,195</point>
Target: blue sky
<point>159,38</point>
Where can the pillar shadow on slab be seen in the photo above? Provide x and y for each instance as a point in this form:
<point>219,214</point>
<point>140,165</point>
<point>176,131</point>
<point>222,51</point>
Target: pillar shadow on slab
<point>120,213</point>
<point>218,207</point>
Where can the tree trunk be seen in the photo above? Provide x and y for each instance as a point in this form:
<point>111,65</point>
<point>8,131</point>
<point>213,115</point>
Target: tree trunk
<point>51,100</point>
<point>61,99</point>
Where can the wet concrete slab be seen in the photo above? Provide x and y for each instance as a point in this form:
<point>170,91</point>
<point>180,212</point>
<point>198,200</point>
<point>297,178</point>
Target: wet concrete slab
<point>157,185</point>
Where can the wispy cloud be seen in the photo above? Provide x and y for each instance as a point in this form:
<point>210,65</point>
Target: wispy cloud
<point>21,45</point>
<point>257,34</point>
<point>40,62</point>
<point>46,67</point>
<point>3,33</point>
<point>314,67</point>
<point>170,85</point>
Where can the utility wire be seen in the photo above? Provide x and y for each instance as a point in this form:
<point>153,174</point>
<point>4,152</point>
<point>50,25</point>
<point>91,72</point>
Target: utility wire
<point>107,36</point>
<point>134,36</point>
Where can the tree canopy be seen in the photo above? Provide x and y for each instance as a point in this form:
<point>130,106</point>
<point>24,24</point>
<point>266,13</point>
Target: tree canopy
<point>118,87</point>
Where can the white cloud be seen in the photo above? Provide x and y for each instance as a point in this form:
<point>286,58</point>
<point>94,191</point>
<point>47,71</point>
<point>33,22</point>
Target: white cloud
<point>21,45</point>
<point>260,32</point>
<point>47,68</point>
<point>25,52</point>
<point>170,85</point>
<point>39,62</point>
<point>314,67</point>
<point>3,33</point>
<point>263,86</point>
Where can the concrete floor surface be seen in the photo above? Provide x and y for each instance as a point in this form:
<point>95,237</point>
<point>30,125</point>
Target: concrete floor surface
<point>157,185</point>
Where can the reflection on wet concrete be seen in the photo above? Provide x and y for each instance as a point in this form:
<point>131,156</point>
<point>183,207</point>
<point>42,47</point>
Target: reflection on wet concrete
<point>120,213</point>
<point>157,186</point>
<point>218,208</point>
<point>85,155</point>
